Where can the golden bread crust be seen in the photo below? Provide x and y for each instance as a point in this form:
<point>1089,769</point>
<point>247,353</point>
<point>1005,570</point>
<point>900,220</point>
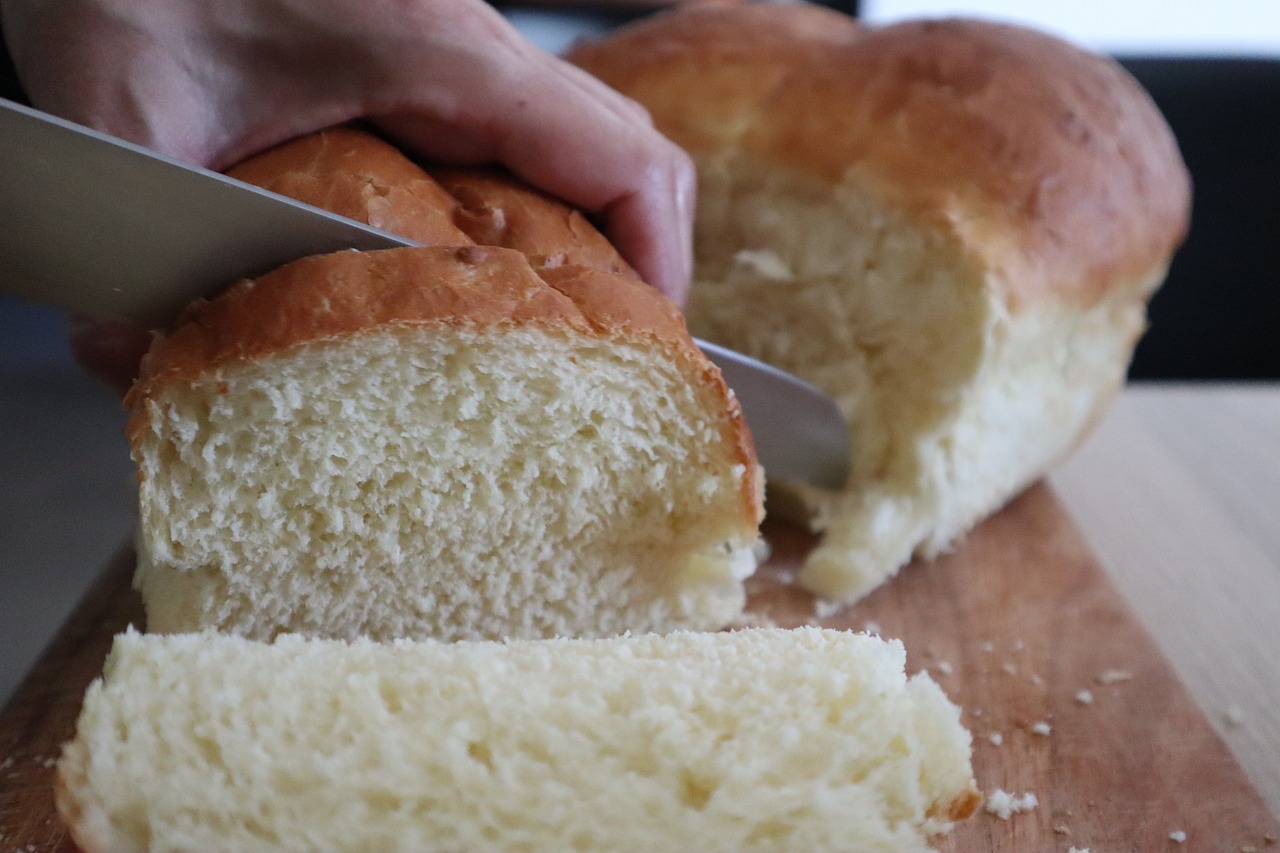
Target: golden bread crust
<point>495,209</point>
<point>357,175</point>
<point>1050,164</point>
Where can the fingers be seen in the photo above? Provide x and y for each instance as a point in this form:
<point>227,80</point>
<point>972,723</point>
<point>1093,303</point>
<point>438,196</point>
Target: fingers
<point>213,83</point>
<point>653,229</point>
<point>572,136</point>
<point>611,162</point>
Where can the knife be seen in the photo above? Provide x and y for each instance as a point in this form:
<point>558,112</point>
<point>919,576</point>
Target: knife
<point>102,227</point>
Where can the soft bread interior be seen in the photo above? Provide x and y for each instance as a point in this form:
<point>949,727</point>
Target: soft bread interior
<point>442,480</point>
<point>748,741</point>
<point>953,402</point>
<point>952,225</point>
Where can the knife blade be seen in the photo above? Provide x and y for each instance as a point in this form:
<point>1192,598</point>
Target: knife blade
<point>100,226</point>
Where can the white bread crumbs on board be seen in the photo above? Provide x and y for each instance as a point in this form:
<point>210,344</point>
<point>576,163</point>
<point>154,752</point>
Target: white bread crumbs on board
<point>996,738</point>
<point>1004,805</point>
<point>1233,716</point>
<point>1078,850</point>
<point>1084,697</point>
<point>1041,728</point>
<point>1009,668</point>
<point>988,646</point>
<point>1114,676</point>
<point>825,608</point>
<point>751,619</point>
<point>944,667</point>
<point>1178,836</point>
<point>872,627</point>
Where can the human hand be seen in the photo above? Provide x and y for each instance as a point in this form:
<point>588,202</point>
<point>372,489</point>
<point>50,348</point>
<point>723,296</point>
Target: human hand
<point>213,83</point>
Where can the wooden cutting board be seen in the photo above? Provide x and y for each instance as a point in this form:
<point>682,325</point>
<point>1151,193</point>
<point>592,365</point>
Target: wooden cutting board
<point>1014,624</point>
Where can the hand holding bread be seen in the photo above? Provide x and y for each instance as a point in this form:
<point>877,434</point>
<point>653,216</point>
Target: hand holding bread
<point>452,81</point>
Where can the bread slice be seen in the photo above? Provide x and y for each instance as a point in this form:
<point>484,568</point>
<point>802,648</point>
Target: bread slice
<point>756,740</point>
<point>950,226</point>
<point>438,442</point>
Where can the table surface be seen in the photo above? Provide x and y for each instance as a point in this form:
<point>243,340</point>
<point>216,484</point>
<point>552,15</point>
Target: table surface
<point>1178,493</point>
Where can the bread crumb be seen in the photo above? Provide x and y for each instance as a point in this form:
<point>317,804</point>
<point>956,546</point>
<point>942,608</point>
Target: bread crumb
<point>1018,645</point>
<point>1004,805</point>
<point>765,263</point>
<point>1234,716</point>
<point>1036,680</point>
<point>988,646</point>
<point>1178,836</point>
<point>1114,676</point>
<point>752,619</point>
<point>1062,830</point>
<point>944,667</point>
<point>996,738</point>
<point>1078,850</point>
<point>1084,697</point>
<point>825,608</point>
<point>1009,668</point>
<point>1041,728</point>
<point>1271,838</point>
<point>787,577</point>
<point>872,627</point>
<point>977,712</point>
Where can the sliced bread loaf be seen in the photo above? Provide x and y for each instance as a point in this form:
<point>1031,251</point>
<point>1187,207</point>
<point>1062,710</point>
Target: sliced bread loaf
<point>749,741</point>
<point>951,226</point>
<point>452,441</point>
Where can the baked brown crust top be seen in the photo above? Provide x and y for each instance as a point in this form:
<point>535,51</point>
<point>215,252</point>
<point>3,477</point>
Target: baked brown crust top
<point>1050,164</point>
<point>494,209</point>
<point>359,176</point>
<point>325,297</point>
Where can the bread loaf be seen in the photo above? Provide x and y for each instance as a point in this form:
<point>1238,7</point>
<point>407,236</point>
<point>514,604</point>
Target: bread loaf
<point>749,741</point>
<point>455,441</point>
<point>951,226</point>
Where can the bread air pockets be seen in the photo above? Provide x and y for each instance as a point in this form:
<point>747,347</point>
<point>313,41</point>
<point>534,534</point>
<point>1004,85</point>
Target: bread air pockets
<point>454,441</point>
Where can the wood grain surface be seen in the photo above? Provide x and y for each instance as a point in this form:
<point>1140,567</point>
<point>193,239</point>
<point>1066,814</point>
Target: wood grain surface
<point>1014,624</point>
<point>1178,494</point>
